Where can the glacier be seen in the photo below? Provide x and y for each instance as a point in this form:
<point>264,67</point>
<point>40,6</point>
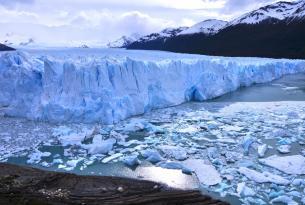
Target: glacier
<point>111,85</point>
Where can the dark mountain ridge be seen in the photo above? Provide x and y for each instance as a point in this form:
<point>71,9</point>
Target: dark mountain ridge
<point>5,48</point>
<point>275,31</point>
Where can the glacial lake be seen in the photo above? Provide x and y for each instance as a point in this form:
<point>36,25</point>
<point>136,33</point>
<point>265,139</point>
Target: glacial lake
<point>214,132</point>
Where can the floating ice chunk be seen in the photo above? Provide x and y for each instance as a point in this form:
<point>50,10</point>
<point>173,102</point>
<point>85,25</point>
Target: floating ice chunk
<point>290,88</point>
<point>68,136</point>
<point>36,156</point>
<point>298,182</point>
<point>285,200</point>
<point>152,156</point>
<point>246,143</point>
<point>119,137</point>
<point>278,133</point>
<point>295,194</point>
<point>284,149</point>
<point>294,164</point>
<point>130,142</point>
<point>170,165</point>
<point>153,128</point>
<point>244,191</point>
<point>206,174</point>
<point>175,165</point>
<point>273,194</point>
<point>221,189</point>
<point>178,153</point>
<point>131,161</point>
<point>264,177</point>
<point>254,200</point>
<point>189,129</point>
<point>212,125</point>
<point>100,146</point>
<point>214,156</point>
<point>228,177</point>
<point>89,133</point>
<point>62,130</point>
<point>213,153</point>
<point>57,161</point>
<point>45,164</point>
<point>261,150</point>
<point>71,139</point>
<point>70,165</point>
<point>232,157</point>
<point>73,163</point>
<point>286,141</point>
<point>112,157</point>
<point>134,125</point>
<point>232,128</point>
<point>226,140</point>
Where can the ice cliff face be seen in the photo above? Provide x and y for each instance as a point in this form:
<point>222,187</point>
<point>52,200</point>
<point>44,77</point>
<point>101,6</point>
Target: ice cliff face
<point>106,90</point>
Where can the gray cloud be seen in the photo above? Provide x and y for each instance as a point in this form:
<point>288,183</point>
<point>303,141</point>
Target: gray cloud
<point>232,6</point>
<point>237,7</point>
<point>90,21</point>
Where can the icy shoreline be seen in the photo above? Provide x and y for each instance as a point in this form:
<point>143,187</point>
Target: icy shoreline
<point>107,89</point>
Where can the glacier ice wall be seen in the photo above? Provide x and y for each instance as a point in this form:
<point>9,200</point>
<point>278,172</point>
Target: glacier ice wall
<point>107,90</point>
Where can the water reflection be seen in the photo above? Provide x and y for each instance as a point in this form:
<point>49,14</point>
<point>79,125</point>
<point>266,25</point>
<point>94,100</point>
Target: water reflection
<point>172,178</point>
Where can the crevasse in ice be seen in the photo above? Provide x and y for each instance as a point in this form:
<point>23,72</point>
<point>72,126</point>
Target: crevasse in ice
<point>107,90</point>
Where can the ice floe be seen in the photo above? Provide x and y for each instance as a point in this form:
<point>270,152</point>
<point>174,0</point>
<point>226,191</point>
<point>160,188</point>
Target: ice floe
<point>225,151</point>
<point>207,174</point>
<point>285,200</point>
<point>244,191</point>
<point>131,161</point>
<point>178,153</point>
<point>100,146</point>
<point>152,156</point>
<point>263,177</point>
<point>294,164</point>
<point>284,149</point>
<point>262,149</point>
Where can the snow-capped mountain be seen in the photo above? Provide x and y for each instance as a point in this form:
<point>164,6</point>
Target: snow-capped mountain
<point>210,26</point>
<point>276,30</point>
<point>278,11</point>
<point>124,41</point>
<point>15,40</point>
<point>166,33</point>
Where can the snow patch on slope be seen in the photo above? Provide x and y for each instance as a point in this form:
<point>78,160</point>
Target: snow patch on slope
<point>280,11</point>
<point>211,26</point>
<point>166,33</point>
<point>124,41</point>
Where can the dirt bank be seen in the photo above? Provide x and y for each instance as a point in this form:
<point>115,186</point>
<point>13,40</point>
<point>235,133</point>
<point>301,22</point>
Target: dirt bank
<point>23,185</point>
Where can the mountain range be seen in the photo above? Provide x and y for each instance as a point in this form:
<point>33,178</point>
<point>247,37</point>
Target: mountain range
<point>276,30</point>
<point>5,48</point>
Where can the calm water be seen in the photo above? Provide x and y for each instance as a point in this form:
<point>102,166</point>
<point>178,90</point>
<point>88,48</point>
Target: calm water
<point>289,88</point>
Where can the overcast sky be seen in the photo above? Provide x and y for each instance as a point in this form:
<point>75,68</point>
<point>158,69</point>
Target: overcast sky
<point>100,21</point>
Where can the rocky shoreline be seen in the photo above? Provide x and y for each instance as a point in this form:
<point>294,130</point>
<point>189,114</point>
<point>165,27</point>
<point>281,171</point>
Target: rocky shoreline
<point>24,185</point>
